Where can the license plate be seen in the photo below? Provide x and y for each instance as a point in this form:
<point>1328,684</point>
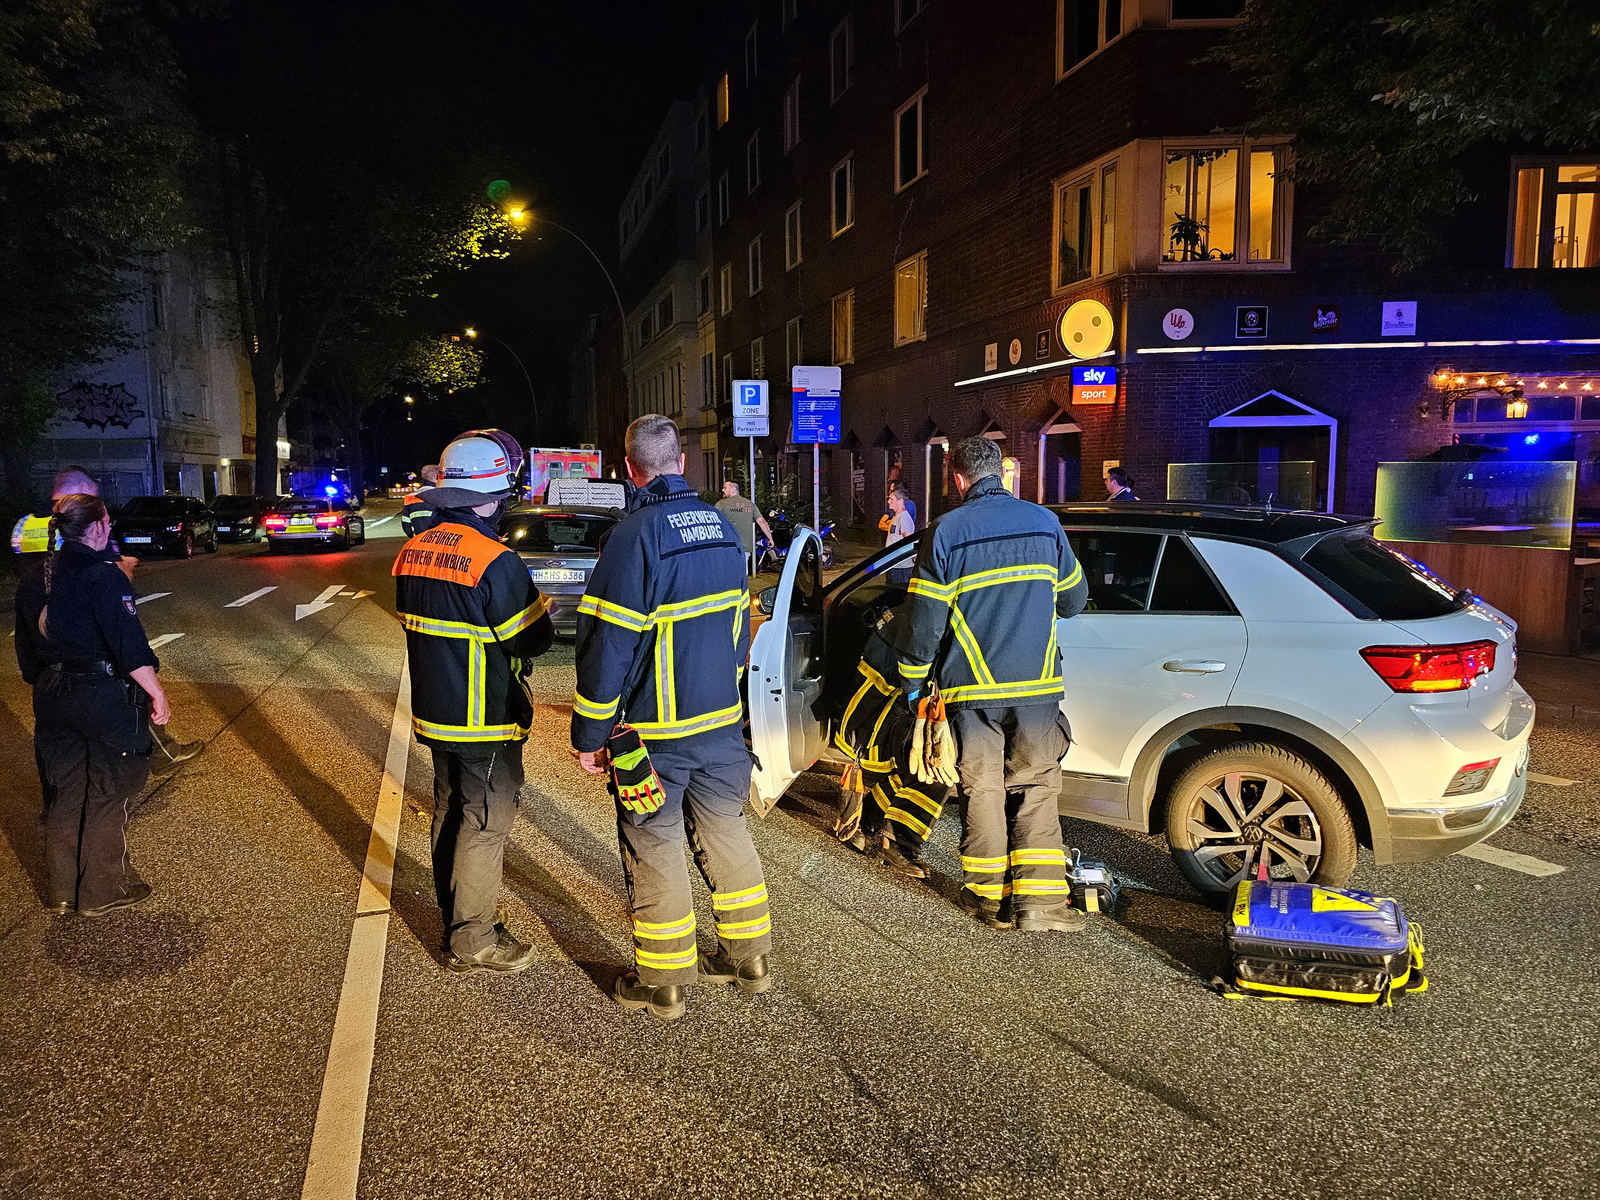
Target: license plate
<point>301,523</point>
<point>137,538</point>
<point>547,575</point>
<point>224,528</point>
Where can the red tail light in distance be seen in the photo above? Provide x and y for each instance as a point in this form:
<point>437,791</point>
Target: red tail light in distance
<point>1431,668</point>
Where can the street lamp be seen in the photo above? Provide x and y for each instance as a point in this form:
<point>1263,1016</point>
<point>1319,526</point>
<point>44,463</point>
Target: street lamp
<point>472,332</point>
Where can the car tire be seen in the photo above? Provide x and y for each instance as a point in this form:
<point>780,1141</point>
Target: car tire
<point>211,543</point>
<point>361,533</point>
<point>186,547</point>
<point>1220,815</point>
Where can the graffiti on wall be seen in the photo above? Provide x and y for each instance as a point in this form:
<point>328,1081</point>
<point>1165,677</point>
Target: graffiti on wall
<point>100,405</point>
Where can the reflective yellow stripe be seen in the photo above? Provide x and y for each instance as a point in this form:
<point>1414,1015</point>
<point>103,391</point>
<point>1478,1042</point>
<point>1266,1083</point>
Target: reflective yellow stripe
<point>674,958</point>
<point>512,626</point>
<point>1023,858</point>
<point>594,710</point>
<point>915,671</point>
<point>744,899</point>
<point>1072,580</point>
<point>682,610</point>
<point>663,930</point>
<point>616,614</point>
<point>933,591</point>
<point>1003,691</point>
<point>468,733</point>
<point>745,929</point>
<point>1027,573</point>
<point>1040,887</point>
<point>666,689</point>
<point>677,729</point>
<point>477,685</point>
<point>904,818</point>
<point>449,629</point>
<point>921,801</point>
<point>984,865</point>
<point>969,646</point>
<point>1351,997</point>
<point>1050,663</point>
<point>989,891</point>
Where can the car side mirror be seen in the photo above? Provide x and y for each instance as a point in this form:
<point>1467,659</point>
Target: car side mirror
<point>767,600</point>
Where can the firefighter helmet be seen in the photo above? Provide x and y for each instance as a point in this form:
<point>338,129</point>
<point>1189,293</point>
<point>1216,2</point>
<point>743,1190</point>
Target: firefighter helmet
<point>477,462</point>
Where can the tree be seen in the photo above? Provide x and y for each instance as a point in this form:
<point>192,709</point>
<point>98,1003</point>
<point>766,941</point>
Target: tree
<point>1385,98</point>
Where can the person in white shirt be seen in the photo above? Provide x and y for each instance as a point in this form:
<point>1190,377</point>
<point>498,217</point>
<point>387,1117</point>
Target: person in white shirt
<point>901,525</point>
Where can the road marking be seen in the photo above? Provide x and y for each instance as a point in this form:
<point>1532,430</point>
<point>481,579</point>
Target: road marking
<point>334,1167</point>
<point>255,595</point>
<point>302,611</point>
<point>156,643</point>
<point>1511,860</point>
<point>151,596</point>
<point>380,521</point>
<point>1552,780</point>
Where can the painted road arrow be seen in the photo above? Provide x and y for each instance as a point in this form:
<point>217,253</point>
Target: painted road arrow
<point>302,611</point>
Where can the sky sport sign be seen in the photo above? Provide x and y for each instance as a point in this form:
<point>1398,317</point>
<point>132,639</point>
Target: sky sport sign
<point>1094,385</point>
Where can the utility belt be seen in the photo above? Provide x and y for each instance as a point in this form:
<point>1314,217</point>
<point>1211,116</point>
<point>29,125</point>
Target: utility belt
<point>82,666</point>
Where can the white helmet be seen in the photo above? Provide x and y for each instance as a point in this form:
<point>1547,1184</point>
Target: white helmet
<point>477,464</point>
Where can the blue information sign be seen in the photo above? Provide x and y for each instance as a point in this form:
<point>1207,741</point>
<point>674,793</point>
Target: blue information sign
<point>816,404</point>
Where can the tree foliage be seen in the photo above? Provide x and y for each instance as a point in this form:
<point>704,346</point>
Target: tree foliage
<point>1386,97</point>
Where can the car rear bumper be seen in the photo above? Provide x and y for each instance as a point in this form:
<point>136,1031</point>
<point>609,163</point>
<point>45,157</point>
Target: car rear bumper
<point>237,533</point>
<point>314,535</point>
<point>564,612</point>
<point>159,543</point>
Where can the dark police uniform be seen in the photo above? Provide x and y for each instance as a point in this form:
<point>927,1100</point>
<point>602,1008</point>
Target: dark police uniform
<point>472,617</point>
<point>991,578</point>
<point>417,514</point>
<point>91,725</point>
<point>663,635</point>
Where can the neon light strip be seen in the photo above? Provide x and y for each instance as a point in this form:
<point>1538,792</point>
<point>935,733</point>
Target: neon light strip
<point>1060,362</point>
<point>1367,345</point>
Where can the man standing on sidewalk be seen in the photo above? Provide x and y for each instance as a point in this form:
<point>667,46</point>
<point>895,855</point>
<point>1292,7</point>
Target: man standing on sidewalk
<point>745,517</point>
<point>663,634</point>
<point>991,578</point>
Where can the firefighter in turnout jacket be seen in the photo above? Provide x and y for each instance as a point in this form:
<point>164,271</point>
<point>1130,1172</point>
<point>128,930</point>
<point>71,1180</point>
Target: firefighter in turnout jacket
<point>663,634</point>
<point>991,578</point>
<point>473,620</point>
<point>416,514</point>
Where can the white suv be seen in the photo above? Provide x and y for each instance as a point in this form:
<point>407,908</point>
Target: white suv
<point>1250,683</point>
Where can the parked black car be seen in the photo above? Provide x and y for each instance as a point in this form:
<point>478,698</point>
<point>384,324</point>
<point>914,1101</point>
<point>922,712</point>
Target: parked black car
<point>166,525</point>
<point>239,518</point>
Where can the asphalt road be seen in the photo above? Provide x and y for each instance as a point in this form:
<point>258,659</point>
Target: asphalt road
<point>179,1050</point>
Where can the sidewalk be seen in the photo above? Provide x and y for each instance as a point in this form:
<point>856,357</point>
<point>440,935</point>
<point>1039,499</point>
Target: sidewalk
<point>1565,688</point>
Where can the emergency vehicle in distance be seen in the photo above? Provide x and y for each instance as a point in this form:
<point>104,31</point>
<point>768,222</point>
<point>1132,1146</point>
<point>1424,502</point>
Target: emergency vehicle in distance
<point>546,464</point>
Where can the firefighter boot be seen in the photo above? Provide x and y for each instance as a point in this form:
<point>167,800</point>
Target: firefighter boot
<point>977,907</point>
<point>507,956</point>
<point>1060,919</point>
<point>891,856</point>
<point>750,976</point>
<point>664,1001</point>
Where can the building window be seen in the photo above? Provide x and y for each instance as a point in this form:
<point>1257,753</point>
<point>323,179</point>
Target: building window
<point>841,59</point>
<point>727,377</point>
<point>905,11</point>
<point>911,299</point>
<point>1224,204</point>
<point>1555,217</point>
<point>724,109</point>
<point>725,289</point>
<point>1083,28</point>
<point>704,294</point>
<point>751,64</point>
<point>752,162</point>
<point>1086,234</point>
<point>158,298</point>
<point>793,345</point>
<point>708,381</point>
<point>664,313</point>
<point>644,330</point>
<point>702,130</point>
<point>724,200</point>
<point>753,258</point>
<point>791,237</point>
<point>844,328</point>
<point>791,116</point>
<point>702,209</point>
<point>843,189</point>
<point>758,358</point>
<point>910,161</point>
<point>789,11</point>
<point>1207,10</point>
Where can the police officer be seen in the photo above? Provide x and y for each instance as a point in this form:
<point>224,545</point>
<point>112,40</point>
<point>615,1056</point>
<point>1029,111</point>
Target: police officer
<point>473,619</point>
<point>663,634</point>
<point>992,576</point>
<point>95,692</point>
<point>416,515</point>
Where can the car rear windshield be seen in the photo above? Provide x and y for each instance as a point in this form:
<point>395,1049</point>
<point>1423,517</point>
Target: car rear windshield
<point>551,532</point>
<point>1382,580</point>
<point>155,506</point>
<point>228,504</point>
<point>305,506</point>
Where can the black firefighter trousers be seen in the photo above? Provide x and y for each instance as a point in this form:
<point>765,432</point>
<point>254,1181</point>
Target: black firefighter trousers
<point>474,804</point>
<point>1009,760</point>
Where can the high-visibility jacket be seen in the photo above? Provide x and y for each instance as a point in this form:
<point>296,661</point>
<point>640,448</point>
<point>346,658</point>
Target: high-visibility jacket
<point>31,535</point>
<point>472,617</point>
<point>664,625</point>
<point>990,580</point>
<point>416,514</point>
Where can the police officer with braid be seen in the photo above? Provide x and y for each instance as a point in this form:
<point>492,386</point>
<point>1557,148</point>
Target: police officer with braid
<point>95,693</point>
<point>663,635</point>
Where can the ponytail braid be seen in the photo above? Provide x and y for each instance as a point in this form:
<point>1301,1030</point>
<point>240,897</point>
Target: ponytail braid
<point>73,516</point>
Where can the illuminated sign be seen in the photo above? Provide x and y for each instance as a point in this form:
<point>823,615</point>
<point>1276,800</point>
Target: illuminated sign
<point>1094,385</point>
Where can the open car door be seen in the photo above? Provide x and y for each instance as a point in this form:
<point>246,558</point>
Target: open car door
<point>785,679</point>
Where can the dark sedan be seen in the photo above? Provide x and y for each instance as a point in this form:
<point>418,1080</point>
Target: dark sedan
<point>241,518</point>
<point>166,525</point>
<point>310,519</point>
<point>559,546</point>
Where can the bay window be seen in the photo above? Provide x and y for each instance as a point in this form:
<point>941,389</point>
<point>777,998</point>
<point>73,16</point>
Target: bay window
<point>1554,214</point>
<point>1224,204</point>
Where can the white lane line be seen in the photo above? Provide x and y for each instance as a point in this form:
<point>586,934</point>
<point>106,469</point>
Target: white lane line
<point>157,642</point>
<point>302,611</point>
<point>1511,860</point>
<point>334,1167</point>
<point>1552,780</point>
<point>255,595</point>
<point>381,521</point>
<point>151,596</point>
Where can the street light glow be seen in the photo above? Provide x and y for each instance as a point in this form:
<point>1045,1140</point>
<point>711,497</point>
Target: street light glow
<point>470,331</point>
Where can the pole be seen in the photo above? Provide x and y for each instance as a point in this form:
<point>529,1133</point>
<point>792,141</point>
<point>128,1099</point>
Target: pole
<point>816,487</point>
<point>750,482</point>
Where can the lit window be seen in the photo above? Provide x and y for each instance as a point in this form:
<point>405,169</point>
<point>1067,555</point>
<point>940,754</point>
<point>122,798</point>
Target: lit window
<point>1224,204</point>
<point>905,11</point>
<point>910,162</point>
<point>725,289</point>
<point>841,59</point>
<point>753,258</point>
<point>752,162</point>
<point>702,209</point>
<point>911,299</point>
<point>1084,28</point>
<point>724,104</point>
<point>843,189</point>
<point>793,345</point>
<point>724,201</point>
<point>758,359</point>
<point>751,65</point>
<point>791,237</point>
<point>791,116</point>
<point>1556,215</point>
<point>1086,234</point>
<point>844,328</point>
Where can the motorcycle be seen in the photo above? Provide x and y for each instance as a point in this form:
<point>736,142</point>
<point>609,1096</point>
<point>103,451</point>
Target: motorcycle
<point>771,552</point>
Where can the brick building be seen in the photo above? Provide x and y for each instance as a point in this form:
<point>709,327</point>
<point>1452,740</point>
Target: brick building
<point>920,190</point>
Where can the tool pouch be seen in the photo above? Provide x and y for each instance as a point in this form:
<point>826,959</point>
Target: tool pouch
<point>633,780</point>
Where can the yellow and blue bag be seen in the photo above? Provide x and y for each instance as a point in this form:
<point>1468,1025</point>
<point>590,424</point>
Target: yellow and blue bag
<point>1300,941</point>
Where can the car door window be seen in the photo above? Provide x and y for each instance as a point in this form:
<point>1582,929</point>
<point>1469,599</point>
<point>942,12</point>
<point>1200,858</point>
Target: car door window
<point>1183,585</point>
<point>1118,566</point>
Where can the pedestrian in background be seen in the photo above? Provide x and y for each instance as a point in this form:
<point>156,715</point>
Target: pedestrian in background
<point>745,516</point>
<point>416,515</point>
<point>95,692</point>
<point>663,635</point>
<point>1119,485</point>
<point>901,526</point>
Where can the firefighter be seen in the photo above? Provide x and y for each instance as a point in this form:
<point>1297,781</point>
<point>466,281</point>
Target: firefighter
<point>473,620</point>
<point>416,515</point>
<point>663,634</point>
<point>991,578</point>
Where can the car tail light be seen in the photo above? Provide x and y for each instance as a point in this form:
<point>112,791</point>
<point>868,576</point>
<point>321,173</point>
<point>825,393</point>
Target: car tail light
<point>1431,668</point>
<point>274,522</point>
<point>327,520</point>
<point>1471,778</point>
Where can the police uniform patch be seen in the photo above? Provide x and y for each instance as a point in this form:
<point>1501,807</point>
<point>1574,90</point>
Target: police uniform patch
<point>129,604</point>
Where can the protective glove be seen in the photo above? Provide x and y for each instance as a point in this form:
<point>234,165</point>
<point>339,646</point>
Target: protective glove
<point>852,795</point>
<point>633,779</point>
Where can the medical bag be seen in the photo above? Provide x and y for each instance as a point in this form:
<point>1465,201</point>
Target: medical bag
<point>1298,940</point>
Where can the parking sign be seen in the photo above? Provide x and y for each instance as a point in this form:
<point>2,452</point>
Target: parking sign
<point>750,408</point>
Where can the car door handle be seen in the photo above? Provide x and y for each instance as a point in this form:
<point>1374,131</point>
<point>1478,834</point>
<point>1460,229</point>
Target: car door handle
<point>1194,666</point>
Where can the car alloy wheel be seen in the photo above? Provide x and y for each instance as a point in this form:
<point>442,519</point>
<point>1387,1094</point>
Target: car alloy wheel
<point>1252,802</point>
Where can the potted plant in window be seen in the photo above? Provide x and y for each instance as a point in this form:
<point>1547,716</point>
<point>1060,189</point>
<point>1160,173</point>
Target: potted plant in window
<point>1188,236</point>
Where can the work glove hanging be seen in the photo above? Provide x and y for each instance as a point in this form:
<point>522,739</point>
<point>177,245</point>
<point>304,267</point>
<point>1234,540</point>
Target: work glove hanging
<point>633,780</point>
<point>933,748</point>
<point>852,795</point>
